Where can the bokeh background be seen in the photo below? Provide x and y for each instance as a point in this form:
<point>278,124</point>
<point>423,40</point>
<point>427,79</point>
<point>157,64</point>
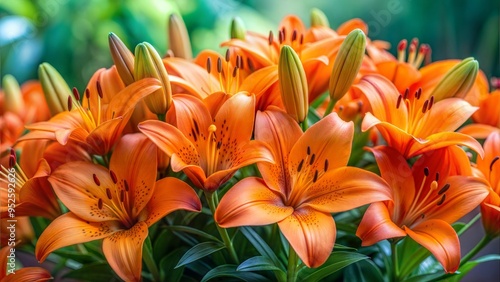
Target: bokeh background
<point>72,35</point>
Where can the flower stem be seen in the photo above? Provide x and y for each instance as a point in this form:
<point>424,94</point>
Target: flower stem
<point>291,274</point>
<point>149,260</point>
<point>304,125</point>
<point>395,260</point>
<point>469,224</point>
<point>330,106</point>
<point>211,200</point>
<point>484,241</point>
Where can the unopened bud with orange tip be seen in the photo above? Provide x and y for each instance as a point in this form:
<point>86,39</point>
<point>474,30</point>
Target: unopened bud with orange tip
<point>55,89</point>
<point>238,29</point>
<point>122,58</point>
<point>318,18</point>
<point>148,63</point>
<point>347,64</point>
<point>13,97</point>
<point>293,84</point>
<point>458,80</point>
<point>179,38</point>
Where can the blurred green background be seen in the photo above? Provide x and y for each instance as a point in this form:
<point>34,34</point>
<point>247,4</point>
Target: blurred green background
<point>72,35</point>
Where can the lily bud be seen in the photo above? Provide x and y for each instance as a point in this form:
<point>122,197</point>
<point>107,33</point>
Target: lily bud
<point>347,64</point>
<point>293,84</point>
<point>122,58</point>
<point>318,18</point>
<point>458,80</point>
<point>238,29</point>
<point>55,89</point>
<point>148,63</point>
<point>13,97</point>
<point>179,38</point>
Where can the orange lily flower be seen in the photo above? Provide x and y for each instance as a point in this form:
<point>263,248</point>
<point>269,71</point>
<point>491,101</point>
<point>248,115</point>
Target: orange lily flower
<point>309,181</point>
<point>100,120</point>
<point>489,169</point>
<point>117,205</point>
<point>427,198</point>
<point>26,274</point>
<point>209,147</point>
<point>410,128</point>
<point>486,119</point>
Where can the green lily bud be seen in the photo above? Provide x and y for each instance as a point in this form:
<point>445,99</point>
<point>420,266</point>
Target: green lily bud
<point>148,63</point>
<point>238,29</point>
<point>293,84</point>
<point>13,97</point>
<point>347,64</point>
<point>179,38</point>
<point>55,89</point>
<point>122,58</point>
<point>318,18</point>
<point>458,80</point>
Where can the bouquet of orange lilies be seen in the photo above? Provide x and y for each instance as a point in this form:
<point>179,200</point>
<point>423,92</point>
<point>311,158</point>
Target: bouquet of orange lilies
<point>305,154</point>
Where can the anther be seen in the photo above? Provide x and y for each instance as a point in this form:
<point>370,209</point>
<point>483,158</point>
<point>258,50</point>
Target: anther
<point>235,71</point>
<point>301,41</point>
<point>312,159</point>
<point>12,158</point>
<point>99,203</point>
<point>419,93</point>
<point>281,37</point>
<point>400,98</point>
<point>250,65</point>
<point>444,189</point>
<point>426,171</point>
<point>441,201</point>
<point>219,65</point>
<point>108,194</point>
<point>99,89</point>
<point>308,150</point>
<point>424,108</point>
<point>326,165</point>
<point>70,103</point>
<point>125,183</point>
<point>209,64</point>
<point>431,102</point>
<point>76,94</point>
<point>495,159</point>
<point>402,45</point>
<point>228,55</point>
<point>96,180</point>
<point>294,35</point>
<point>113,176</point>
<point>299,168</point>
<point>315,176</point>
<point>196,127</point>
<point>270,38</point>
<point>437,176</point>
<point>407,92</point>
<point>122,196</point>
<point>87,93</point>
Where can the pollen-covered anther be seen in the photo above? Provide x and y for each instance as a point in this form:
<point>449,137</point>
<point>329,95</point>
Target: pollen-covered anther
<point>99,203</point>
<point>444,189</point>
<point>108,193</point>
<point>400,98</point>
<point>113,176</point>
<point>96,180</point>
<point>125,184</point>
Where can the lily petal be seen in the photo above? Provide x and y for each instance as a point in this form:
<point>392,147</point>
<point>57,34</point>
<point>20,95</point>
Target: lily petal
<point>123,251</point>
<point>250,202</point>
<point>28,274</point>
<point>479,131</point>
<point>403,75</point>
<point>280,132</point>
<point>443,139</point>
<point>134,160</point>
<point>441,240</point>
<point>344,189</point>
<point>311,234</point>
<point>69,229</point>
<point>171,194</point>
<point>377,225</point>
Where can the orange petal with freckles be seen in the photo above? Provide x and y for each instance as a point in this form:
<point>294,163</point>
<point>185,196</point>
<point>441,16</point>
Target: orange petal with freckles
<point>190,116</point>
<point>403,75</point>
<point>377,225</point>
<point>311,234</point>
<point>345,188</point>
<point>257,48</point>
<point>280,132</point>
<point>193,74</point>
<point>252,152</point>
<point>69,229</point>
<point>171,194</point>
<point>111,84</point>
<point>326,145</point>
<point>125,101</point>
<point>489,165</point>
<point>134,159</point>
<point>290,24</point>
<point>236,127</point>
<point>440,239</point>
<point>249,202</point>
<point>123,251</point>
<point>215,100</point>
<point>74,185</point>
<point>171,140</point>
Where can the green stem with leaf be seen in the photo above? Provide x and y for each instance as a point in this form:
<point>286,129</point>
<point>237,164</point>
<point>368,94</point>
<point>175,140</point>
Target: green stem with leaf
<point>149,260</point>
<point>395,260</point>
<point>293,259</point>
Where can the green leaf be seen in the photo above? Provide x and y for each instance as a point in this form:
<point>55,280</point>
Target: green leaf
<point>411,255</point>
<point>193,231</point>
<point>336,262</point>
<point>258,263</point>
<point>365,270</point>
<point>468,266</point>
<point>261,246</point>
<point>199,251</point>
<point>168,271</point>
<point>230,271</point>
<point>77,256</point>
<point>94,272</point>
